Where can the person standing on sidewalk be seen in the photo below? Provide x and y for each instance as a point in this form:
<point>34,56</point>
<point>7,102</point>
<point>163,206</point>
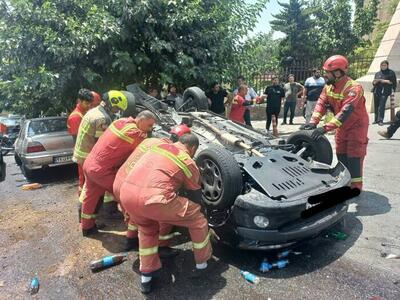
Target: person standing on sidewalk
<point>250,97</point>
<point>312,89</point>
<point>275,95</point>
<point>216,97</point>
<point>292,91</point>
<point>385,83</point>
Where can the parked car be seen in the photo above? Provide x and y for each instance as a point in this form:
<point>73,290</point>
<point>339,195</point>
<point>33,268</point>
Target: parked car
<point>2,167</point>
<point>9,130</point>
<point>258,192</point>
<point>42,143</point>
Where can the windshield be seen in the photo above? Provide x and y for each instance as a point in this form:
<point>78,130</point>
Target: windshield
<point>47,126</point>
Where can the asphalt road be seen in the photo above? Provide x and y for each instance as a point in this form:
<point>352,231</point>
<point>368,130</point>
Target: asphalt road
<point>39,233</point>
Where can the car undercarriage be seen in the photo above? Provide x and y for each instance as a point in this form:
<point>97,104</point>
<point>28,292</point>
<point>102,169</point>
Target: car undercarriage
<point>258,192</point>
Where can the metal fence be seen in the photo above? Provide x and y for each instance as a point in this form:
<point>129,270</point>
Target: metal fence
<point>359,65</point>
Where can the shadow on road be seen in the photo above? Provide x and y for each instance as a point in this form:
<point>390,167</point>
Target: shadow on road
<point>371,204</point>
<point>174,280</point>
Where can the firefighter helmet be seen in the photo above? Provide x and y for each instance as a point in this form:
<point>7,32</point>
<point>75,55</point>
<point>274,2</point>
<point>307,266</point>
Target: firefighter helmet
<point>336,62</point>
<point>116,99</point>
<point>179,130</point>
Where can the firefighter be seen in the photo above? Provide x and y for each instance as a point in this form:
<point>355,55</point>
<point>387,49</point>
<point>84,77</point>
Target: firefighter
<point>93,124</point>
<point>132,233</point>
<point>149,194</point>
<point>107,155</point>
<point>346,99</point>
<point>86,101</point>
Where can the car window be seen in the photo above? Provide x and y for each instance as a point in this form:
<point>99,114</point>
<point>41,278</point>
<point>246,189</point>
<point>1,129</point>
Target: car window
<point>10,121</point>
<point>47,126</point>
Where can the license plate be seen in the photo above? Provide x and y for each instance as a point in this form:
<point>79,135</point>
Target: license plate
<point>62,159</point>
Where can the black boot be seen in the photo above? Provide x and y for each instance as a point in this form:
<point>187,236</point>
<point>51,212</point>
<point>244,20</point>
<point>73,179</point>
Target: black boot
<point>91,231</point>
<point>131,244</point>
<point>146,287</point>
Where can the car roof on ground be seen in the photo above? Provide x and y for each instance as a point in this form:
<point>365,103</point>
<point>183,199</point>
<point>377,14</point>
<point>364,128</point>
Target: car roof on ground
<point>47,118</point>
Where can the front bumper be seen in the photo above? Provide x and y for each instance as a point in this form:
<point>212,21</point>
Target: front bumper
<point>290,235</point>
<point>43,160</point>
<point>288,224</point>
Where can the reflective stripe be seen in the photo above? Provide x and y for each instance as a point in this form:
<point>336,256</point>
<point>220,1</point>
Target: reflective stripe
<point>108,198</point>
<point>357,179</point>
<point>174,158</point>
<point>339,96</point>
<point>336,122</point>
<point>148,251</point>
<point>168,236</point>
<point>82,196</point>
<point>88,216</point>
<point>80,154</point>
<point>201,245</point>
<point>76,113</point>
<point>144,148</point>
<point>317,115</point>
<point>120,134</point>
<point>98,133</point>
<point>132,227</point>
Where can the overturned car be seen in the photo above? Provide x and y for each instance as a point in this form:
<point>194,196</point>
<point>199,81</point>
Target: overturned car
<point>258,192</point>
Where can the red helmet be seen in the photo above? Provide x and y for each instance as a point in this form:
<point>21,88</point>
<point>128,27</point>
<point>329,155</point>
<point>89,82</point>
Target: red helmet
<point>336,62</point>
<point>96,99</point>
<point>180,130</point>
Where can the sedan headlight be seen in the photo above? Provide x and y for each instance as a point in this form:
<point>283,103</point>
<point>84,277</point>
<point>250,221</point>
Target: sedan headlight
<point>261,221</point>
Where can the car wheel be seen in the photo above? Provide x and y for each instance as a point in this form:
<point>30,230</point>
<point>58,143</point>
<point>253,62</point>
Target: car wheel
<point>194,98</point>
<point>319,150</point>
<point>27,172</point>
<point>17,159</point>
<point>221,177</point>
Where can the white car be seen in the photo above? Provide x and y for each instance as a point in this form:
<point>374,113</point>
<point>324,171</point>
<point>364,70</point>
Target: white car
<point>43,142</point>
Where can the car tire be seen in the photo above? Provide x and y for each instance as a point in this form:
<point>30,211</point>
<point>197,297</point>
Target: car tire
<point>27,172</point>
<point>319,150</point>
<point>17,159</point>
<point>221,177</point>
<point>197,98</point>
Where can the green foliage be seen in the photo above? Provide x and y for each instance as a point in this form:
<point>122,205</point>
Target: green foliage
<point>323,27</point>
<point>51,48</point>
<point>295,22</point>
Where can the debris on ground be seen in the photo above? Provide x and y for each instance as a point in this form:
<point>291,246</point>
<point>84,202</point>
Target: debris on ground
<point>34,287</point>
<point>107,262</point>
<point>279,264</point>
<point>392,256</point>
<point>250,277</point>
<point>339,235</point>
<point>1,283</point>
<point>31,186</point>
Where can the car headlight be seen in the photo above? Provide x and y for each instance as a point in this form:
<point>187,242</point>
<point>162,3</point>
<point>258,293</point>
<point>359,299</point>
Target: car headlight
<point>261,221</point>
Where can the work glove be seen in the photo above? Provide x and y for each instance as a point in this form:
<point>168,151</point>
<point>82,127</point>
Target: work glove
<point>310,126</point>
<point>317,133</point>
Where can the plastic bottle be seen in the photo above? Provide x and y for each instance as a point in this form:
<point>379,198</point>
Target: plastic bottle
<point>279,264</point>
<point>34,287</point>
<point>107,262</point>
<point>283,254</point>
<point>250,277</point>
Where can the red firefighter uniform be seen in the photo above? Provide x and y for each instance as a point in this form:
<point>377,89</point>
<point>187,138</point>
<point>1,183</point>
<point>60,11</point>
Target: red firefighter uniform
<point>102,163</point>
<point>149,195</point>
<point>73,122</point>
<point>123,173</point>
<point>346,100</point>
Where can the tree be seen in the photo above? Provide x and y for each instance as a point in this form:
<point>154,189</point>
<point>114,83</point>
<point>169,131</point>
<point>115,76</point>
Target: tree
<point>294,21</point>
<point>334,30</point>
<point>51,48</point>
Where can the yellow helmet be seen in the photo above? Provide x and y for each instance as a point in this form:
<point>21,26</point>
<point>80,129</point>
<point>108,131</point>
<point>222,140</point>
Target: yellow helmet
<point>117,99</point>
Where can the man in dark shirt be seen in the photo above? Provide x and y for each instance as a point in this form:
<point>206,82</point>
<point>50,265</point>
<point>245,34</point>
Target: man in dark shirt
<point>312,89</point>
<point>216,99</point>
<point>275,94</point>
